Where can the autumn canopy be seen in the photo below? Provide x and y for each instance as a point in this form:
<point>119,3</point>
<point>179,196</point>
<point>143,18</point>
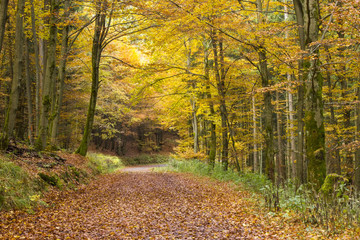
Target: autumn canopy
<point>270,86</point>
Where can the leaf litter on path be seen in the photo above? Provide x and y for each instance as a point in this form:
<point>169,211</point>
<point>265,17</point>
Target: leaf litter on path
<point>140,205</point>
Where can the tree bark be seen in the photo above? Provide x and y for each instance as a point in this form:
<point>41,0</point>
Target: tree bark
<point>212,126</point>
<point>17,77</point>
<point>333,161</point>
<point>268,107</point>
<point>38,68</point>
<point>62,75</point>
<point>256,159</point>
<point>267,115</point>
<point>3,17</point>
<point>308,19</point>
<point>220,79</point>
<point>28,94</point>
<point>292,137</point>
<point>280,150</point>
<point>96,57</point>
<point>357,153</point>
<point>194,107</point>
<point>50,77</point>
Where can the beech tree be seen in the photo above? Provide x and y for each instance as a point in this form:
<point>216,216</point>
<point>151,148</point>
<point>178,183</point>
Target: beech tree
<point>3,17</point>
<point>49,80</point>
<point>97,48</point>
<point>270,87</point>
<point>10,117</point>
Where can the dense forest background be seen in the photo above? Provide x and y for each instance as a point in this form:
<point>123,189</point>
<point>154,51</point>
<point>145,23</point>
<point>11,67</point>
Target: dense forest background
<point>270,87</point>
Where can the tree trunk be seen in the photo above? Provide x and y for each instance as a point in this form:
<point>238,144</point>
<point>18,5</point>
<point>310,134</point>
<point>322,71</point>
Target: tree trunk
<point>211,124</point>
<point>256,159</point>
<point>28,94</point>
<point>267,114</point>
<point>292,149</point>
<point>38,68</point>
<point>17,76</point>
<point>280,152</point>
<point>333,161</point>
<point>357,153</point>
<point>346,115</point>
<point>220,78</point>
<point>49,79</point>
<point>268,108</point>
<point>194,117</point>
<point>62,75</point>
<point>96,57</point>
<point>292,137</point>
<point>300,162</point>
<point>308,17</point>
<point>3,17</point>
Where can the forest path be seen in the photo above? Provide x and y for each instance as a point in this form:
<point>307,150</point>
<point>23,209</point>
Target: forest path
<point>143,168</point>
<point>127,205</point>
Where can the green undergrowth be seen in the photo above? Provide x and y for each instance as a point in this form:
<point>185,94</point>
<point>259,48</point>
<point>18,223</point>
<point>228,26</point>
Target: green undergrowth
<point>21,190</point>
<point>336,206</point>
<point>101,164</point>
<point>250,181</point>
<point>144,159</point>
<point>17,189</point>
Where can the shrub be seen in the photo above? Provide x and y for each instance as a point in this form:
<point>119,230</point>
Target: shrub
<point>100,163</point>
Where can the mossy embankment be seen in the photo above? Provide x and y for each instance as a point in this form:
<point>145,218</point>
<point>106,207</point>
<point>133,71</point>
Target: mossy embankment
<point>26,175</point>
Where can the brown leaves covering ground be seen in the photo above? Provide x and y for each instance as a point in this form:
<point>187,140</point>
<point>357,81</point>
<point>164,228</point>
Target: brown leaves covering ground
<point>150,206</point>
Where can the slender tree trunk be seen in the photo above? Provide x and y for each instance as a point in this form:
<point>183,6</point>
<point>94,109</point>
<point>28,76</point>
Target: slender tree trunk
<point>96,57</point>
<point>300,161</point>
<point>292,149</point>
<point>346,114</point>
<point>237,164</point>
<point>195,125</point>
<point>268,108</point>
<point>256,159</point>
<point>357,153</point>
<point>3,17</point>
<point>212,126</point>
<point>17,77</point>
<point>292,136</point>
<point>49,78</point>
<point>62,75</point>
<point>28,94</point>
<point>280,152</point>
<point>38,68</point>
<point>220,78</point>
<point>268,112</point>
<point>194,107</point>
<point>333,160</point>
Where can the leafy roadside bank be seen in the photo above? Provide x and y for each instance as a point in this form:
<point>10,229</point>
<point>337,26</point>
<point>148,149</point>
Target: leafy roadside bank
<point>336,211</point>
<point>26,175</point>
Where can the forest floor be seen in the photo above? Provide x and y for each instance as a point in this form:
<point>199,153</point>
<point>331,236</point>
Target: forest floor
<point>137,204</point>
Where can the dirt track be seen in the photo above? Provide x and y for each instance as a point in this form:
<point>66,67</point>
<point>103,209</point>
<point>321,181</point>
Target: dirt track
<point>139,205</point>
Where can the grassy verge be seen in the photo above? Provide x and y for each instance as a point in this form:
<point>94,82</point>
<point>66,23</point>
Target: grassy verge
<point>144,159</point>
<point>23,187</point>
<point>101,164</point>
<point>17,189</point>
<point>336,210</point>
